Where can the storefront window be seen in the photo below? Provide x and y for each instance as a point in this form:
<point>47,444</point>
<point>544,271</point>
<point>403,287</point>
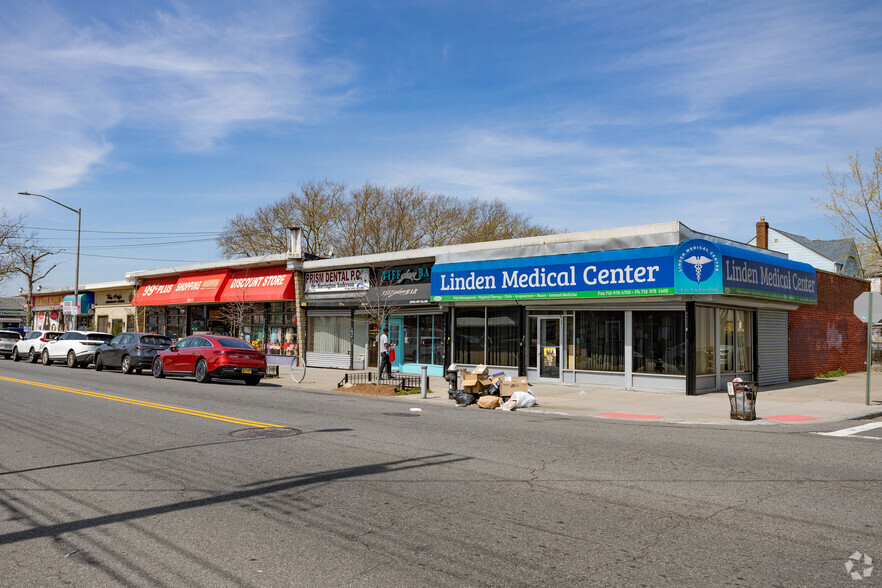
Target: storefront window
<point>743,340</point>
<point>659,345</point>
<point>431,348</point>
<point>727,340</point>
<point>503,338</point>
<point>704,340</point>
<point>600,341</point>
<point>411,340</point>
<point>469,339</point>
<point>327,334</point>
<point>281,329</point>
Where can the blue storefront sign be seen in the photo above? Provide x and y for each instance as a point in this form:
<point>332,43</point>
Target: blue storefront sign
<point>693,267</point>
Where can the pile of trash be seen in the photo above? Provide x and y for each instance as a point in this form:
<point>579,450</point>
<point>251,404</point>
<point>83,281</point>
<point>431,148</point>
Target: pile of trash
<point>493,391</point>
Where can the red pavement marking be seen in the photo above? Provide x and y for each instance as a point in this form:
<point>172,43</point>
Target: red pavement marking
<point>791,418</point>
<point>622,415</point>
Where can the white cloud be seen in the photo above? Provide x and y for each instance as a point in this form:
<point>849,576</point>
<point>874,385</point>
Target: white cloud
<point>189,79</point>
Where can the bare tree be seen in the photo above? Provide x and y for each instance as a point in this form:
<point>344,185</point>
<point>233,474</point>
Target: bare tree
<point>372,219</point>
<point>854,206</point>
<point>30,263</point>
<point>12,240</point>
<point>265,231</point>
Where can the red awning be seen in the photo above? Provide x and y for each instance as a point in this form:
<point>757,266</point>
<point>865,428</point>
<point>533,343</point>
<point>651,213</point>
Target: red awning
<point>267,284</point>
<point>185,289</point>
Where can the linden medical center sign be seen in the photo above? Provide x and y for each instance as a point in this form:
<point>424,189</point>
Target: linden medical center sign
<point>692,267</point>
<point>633,272</point>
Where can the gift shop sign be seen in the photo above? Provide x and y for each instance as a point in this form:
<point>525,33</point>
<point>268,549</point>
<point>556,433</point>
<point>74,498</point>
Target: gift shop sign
<point>338,280</point>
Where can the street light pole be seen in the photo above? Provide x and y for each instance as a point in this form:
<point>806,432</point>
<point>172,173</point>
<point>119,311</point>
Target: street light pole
<point>79,212</point>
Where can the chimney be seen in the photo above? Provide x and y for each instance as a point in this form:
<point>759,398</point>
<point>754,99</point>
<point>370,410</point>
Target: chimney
<point>762,234</point>
<point>295,248</point>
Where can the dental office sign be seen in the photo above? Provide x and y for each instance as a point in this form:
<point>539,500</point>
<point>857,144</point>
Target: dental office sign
<point>693,267</point>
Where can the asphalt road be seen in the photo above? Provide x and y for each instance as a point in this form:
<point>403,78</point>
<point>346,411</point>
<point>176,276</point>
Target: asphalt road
<point>108,479</point>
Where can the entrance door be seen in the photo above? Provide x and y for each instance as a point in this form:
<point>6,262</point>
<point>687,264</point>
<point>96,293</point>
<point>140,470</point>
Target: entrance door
<point>549,348</point>
<point>396,337</point>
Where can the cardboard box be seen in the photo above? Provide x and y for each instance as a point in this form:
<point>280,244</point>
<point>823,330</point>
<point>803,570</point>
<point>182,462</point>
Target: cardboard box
<point>509,384</point>
<point>482,371</point>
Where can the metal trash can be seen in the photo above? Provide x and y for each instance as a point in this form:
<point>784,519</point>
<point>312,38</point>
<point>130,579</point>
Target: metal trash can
<point>742,400</point>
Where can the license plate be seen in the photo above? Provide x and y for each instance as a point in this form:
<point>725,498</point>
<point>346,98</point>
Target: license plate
<point>246,370</point>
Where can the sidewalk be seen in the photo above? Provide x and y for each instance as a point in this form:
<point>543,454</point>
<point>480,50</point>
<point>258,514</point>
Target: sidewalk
<point>819,400</point>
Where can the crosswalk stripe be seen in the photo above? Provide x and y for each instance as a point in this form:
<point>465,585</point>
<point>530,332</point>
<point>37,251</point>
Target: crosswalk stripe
<point>853,430</point>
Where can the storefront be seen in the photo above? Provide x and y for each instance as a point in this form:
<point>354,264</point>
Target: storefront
<point>672,310</point>
<point>113,311</point>
<point>256,304</point>
<point>338,329</point>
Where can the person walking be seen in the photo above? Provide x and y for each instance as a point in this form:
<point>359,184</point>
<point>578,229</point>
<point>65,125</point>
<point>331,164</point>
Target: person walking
<point>385,364</point>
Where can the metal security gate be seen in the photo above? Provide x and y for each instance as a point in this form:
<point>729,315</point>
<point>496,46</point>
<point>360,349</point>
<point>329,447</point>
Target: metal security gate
<point>772,346</point>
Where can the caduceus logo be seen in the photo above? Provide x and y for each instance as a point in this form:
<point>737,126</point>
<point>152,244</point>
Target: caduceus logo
<point>698,263</point>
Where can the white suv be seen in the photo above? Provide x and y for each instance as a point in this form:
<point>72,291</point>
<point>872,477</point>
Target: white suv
<point>77,348</point>
<point>32,345</point>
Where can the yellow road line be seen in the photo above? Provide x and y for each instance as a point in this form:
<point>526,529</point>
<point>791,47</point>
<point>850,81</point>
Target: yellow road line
<point>199,413</point>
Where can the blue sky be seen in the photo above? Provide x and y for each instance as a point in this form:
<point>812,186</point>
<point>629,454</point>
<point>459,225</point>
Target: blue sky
<point>169,117</point>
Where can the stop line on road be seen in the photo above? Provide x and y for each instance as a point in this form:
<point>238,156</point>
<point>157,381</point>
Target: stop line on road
<point>853,431</point>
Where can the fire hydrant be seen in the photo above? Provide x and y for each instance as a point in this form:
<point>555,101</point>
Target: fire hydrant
<point>452,378</point>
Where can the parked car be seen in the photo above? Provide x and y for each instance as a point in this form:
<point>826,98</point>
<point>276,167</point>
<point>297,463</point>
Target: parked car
<point>211,356</point>
<point>130,352</point>
<point>8,339</point>
<point>32,345</point>
<point>76,348</point>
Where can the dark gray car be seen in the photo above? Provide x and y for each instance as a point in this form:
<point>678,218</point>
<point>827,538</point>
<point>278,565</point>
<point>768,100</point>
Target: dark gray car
<point>130,352</point>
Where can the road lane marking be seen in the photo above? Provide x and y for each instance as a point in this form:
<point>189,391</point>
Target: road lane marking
<point>854,431</point>
<point>191,412</point>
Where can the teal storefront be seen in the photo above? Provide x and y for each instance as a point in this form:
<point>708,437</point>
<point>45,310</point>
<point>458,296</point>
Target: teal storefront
<point>684,317</point>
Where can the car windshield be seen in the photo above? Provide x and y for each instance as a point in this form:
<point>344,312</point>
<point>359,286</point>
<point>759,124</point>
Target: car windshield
<point>98,337</point>
<point>237,343</point>
<point>153,340</point>
<point>10,335</point>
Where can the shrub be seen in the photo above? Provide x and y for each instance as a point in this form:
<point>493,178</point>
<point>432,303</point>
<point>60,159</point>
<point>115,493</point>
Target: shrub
<point>833,374</point>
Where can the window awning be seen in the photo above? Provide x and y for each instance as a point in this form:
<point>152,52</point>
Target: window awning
<point>190,288</point>
<point>261,285</point>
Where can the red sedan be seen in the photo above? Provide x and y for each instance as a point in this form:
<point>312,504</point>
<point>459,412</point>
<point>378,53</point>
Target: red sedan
<point>211,356</point>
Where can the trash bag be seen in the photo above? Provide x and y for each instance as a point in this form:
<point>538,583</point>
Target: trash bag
<point>523,399</point>
<point>489,401</point>
<point>509,405</point>
<point>465,398</point>
<point>491,390</point>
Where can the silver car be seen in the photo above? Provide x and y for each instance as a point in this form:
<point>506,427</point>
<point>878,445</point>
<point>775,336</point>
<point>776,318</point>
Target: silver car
<point>8,339</point>
<point>32,345</point>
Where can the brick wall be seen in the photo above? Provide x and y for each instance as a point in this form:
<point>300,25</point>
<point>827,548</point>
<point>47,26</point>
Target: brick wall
<point>828,336</point>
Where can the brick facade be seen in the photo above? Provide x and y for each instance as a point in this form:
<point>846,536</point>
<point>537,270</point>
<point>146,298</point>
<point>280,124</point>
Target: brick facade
<point>828,336</point>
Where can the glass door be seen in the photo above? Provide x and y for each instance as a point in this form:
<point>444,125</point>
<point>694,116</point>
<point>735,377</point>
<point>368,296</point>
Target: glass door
<point>396,338</point>
<point>549,351</point>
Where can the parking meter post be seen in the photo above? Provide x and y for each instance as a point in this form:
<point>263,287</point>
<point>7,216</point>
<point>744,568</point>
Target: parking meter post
<point>424,381</point>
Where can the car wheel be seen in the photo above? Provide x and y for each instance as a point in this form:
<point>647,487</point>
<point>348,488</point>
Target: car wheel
<point>252,381</point>
<point>72,359</point>
<point>157,368</point>
<point>32,356</point>
<point>99,363</point>
<point>15,356</point>
<point>45,357</point>
<point>126,365</point>
<point>202,372</point>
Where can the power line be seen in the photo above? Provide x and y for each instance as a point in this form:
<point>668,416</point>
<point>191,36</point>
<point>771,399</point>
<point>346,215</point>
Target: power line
<point>135,258</point>
<point>127,232</point>
<point>135,245</point>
